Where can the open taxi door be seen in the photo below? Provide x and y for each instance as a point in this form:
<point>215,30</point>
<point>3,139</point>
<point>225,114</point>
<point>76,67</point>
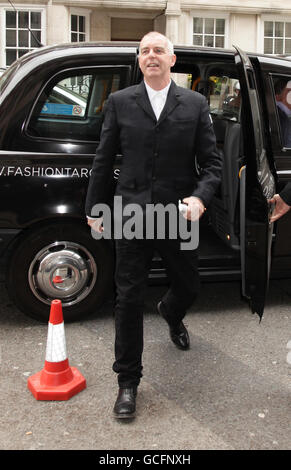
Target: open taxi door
<point>257,185</point>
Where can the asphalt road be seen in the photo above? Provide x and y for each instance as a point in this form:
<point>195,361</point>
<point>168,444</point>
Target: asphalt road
<point>231,390</point>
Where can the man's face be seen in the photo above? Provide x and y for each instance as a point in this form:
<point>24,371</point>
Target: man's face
<point>155,61</point>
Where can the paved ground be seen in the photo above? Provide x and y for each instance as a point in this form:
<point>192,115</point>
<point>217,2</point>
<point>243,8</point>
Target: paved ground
<point>231,390</point>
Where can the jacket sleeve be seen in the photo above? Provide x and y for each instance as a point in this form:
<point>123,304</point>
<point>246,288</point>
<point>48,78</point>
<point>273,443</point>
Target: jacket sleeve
<point>103,162</point>
<point>208,157</point>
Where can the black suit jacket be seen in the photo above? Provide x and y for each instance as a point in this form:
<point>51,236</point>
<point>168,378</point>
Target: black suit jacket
<point>158,156</point>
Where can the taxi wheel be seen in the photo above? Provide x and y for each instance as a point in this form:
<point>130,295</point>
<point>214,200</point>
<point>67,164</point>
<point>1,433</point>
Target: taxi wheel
<point>60,262</point>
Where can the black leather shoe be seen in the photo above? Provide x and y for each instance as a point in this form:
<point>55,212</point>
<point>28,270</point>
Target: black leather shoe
<point>125,403</point>
<point>178,333</point>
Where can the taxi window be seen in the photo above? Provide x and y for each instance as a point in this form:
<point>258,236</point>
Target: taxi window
<point>224,97</point>
<point>186,75</point>
<point>71,106</point>
<point>184,80</point>
<point>219,85</point>
<point>282,94</point>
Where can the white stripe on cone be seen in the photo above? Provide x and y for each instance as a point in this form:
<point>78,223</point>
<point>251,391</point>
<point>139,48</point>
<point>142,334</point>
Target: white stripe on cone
<point>56,343</point>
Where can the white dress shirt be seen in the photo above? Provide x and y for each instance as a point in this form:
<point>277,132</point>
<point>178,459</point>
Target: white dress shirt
<point>157,98</point>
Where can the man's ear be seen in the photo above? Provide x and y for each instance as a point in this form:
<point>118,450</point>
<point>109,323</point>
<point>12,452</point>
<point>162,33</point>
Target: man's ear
<point>174,58</point>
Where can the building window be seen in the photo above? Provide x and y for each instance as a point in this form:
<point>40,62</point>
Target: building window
<point>209,32</point>
<point>277,37</point>
<point>23,33</point>
<point>78,28</point>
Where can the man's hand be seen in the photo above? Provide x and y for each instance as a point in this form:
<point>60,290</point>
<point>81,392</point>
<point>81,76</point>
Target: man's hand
<point>195,208</point>
<point>96,224</point>
<point>280,207</point>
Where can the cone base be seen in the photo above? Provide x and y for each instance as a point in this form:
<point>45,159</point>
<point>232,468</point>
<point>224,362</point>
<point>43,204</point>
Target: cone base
<point>42,391</point>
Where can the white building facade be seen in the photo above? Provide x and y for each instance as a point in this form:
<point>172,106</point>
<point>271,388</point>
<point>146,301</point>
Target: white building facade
<point>253,25</point>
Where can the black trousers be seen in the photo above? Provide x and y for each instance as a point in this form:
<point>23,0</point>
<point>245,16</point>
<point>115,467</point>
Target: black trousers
<point>133,259</point>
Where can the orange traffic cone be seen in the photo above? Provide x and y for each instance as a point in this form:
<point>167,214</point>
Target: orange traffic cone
<point>57,380</point>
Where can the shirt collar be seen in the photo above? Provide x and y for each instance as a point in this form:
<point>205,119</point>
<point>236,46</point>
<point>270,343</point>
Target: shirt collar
<point>152,92</point>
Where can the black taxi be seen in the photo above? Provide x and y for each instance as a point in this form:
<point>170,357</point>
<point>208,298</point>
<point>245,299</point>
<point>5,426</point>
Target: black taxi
<point>51,107</point>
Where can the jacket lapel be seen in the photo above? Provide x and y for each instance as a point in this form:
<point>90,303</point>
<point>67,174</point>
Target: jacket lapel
<point>142,100</point>
<point>171,103</point>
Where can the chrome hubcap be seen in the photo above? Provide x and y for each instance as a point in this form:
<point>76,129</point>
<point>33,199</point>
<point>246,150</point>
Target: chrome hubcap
<point>63,270</point>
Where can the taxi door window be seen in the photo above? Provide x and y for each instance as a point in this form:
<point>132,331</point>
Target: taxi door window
<point>282,94</point>
<point>71,106</point>
<point>224,97</point>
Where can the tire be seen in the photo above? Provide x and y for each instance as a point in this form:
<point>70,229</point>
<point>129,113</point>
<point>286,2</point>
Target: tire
<point>60,261</point>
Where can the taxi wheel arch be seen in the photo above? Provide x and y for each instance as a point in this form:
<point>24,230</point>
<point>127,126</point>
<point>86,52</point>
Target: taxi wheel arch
<point>62,261</point>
